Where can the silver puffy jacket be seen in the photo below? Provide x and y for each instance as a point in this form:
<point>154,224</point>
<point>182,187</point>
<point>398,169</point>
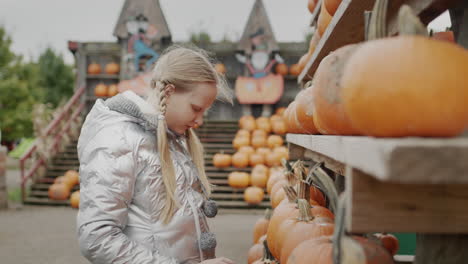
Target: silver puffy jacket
<point>122,190</point>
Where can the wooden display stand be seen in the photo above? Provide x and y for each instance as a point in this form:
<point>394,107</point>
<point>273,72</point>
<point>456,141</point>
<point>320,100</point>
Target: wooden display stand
<point>396,185</point>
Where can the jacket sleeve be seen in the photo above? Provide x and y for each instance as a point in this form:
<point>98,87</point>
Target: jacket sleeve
<point>108,172</point>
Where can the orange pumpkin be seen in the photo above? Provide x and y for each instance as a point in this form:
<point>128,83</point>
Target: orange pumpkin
<point>282,151</point>
<point>275,118</point>
<point>295,70</point>
<point>238,179</point>
<point>59,191</point>
<point>279,127</point>
<point>259,133</point>
<point>249,125</point>
<point>318,250</point>
<point>273,159</point>
<point>389,242</point>
<point>277,197</point>
<point>273,179</point>
<point>255,253</point>
<point>317,196</point>
<point>264,151</point>
<point>94,68</point>
<point>261,227</point>
<point>73,176</point>
<point>266,126</point>
<point>311,5</point>
<point>240,160</point>
<point>75,199</point>
<point>305,112</point>
<point>221,160</point>
<point>261,169</point>
<point>244,119</point>
<point>332,6</point>
<point>259,178</point>
<point>243,133</point>
<point>409,104</point>
<point>239,142</point>
<point>323,20</point>
<point>292,123</point>
<point>280,111</point>
<point>281,69</point>
<point>112,90</point>
<point>256,159</point>
<point>258,142</point>
<point>294,231</point>
<point>112,68</point>
<point>220,68</point>
<point>274,141</point>
<point>249,150</point>
<point>67,181</point>
<point>101,90</point>
<point>330,116</point>
<point>253,195</point>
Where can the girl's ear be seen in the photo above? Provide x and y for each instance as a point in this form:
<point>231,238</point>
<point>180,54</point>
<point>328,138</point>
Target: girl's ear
<point>170,89</point>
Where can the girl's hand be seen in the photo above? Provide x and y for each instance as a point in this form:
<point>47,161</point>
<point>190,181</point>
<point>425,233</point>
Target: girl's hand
<point>221,260</point>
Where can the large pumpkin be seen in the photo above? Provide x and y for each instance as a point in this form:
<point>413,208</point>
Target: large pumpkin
<point>75,199</point>
<point>274,141</point>
<point>407,86</point>
<point>305,112</point>
<point>256,159</point>
<point>101,90</point>
<point>221,160</point>
<point>281,69</point>
<point>240,141</point>
<point>259,178</point>
<point>295,231</point>
<point>220,68</point>
<point>273,159</point>
<point>67,181</point>
<point>112,68</point>
<point>330,117</point>
<point>112,90</point>
<point>238,179</point>
<point>295,70</point>
<point>311,5</point>
<point>253,195</point>
<point>94,68</point>
<point>279,127</point>
<point>258,142</point>
<point>247,123</point>
<point>59,191</point>
<point>240,160</point>
<point>261,226</point>
<point>73,176</point>
<point>249,150</point>
<point>323,20</point>
<point>332,6</point>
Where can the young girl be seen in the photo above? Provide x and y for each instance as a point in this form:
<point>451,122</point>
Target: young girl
<point>143,186</point>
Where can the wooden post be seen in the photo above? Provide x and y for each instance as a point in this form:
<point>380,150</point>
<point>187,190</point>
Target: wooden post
<point>459,19</point>
<point>3,189</point>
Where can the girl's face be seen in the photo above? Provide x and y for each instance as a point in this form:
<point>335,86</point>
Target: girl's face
<point>185,109</point>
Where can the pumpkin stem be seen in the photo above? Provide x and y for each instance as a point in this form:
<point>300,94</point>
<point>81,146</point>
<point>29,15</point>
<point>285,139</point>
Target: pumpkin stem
<point>378,21</point>
<point>267,256</point>
<point>290,193</point>
<point>320,178</point>
<point>304,187</point>
<point>339,231</point>
<point>409,23</point>
<point>288,172</point>
<point>304,211</point>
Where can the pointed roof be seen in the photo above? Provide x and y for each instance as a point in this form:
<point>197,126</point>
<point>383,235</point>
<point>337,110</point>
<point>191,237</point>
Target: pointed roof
<point>151,9</point>
<point>258,19</point>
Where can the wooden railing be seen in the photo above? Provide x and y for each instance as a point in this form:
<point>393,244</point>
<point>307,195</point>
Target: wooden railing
<point>54,133</point>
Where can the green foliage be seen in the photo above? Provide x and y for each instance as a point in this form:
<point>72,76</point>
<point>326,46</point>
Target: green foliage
<point>200,38</point>
<point>22,85</point>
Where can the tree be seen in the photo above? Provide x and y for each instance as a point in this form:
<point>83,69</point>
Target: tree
<point>7,57</point>
<point>55,77</point>
<point>200,38</point>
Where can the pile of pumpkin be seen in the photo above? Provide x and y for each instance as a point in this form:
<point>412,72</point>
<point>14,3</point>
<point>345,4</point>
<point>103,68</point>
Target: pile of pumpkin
<point>399,86</point>
<point>256,148</point>
<point>301,226</point>
<point>62,187</point>
<point>110,68</point>
<point>103,90</point>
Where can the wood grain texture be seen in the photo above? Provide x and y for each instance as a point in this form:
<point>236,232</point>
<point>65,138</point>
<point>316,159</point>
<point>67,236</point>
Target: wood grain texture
<point>377,206</point>
<point>405,160</point>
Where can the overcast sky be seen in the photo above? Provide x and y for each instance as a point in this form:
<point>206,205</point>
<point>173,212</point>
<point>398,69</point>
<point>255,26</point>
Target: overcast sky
<point>36,24</point>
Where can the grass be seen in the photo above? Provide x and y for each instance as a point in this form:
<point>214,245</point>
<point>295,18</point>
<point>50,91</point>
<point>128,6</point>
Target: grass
<point>14,194</point>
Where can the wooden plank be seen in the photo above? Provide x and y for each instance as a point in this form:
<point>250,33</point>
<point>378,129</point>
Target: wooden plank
<point>375,206</point>
<point>347,26</point>
<point>409,160</point>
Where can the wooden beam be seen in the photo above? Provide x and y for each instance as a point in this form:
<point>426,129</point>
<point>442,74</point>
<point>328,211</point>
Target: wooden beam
<point>375,206</point>
<point>405,160</point>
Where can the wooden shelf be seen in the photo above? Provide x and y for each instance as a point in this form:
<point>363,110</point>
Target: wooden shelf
<point>103,76</point>
<point>403,160</point>
<point>347,26</point>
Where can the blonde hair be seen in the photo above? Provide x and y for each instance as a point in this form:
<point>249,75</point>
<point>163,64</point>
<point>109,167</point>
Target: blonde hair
<point>181,67</point>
